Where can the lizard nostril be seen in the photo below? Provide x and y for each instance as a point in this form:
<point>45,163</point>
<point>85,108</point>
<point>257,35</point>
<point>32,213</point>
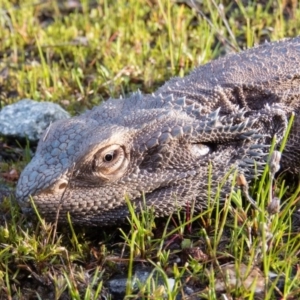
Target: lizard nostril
<point>62,186</point>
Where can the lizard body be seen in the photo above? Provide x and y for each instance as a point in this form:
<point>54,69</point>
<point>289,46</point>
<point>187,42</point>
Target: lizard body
<point>172,146</point>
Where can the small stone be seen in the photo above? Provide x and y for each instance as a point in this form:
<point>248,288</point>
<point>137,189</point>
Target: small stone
<point>5,191</point>
<point>117,284</point>
<point>29,119</point>
<point>233,277</point>
<point>65,102</point>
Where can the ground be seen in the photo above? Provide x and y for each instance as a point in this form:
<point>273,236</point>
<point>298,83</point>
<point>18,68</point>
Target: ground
<point>80,53</point>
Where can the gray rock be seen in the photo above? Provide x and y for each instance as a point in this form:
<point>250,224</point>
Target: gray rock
<point>117,285</point>
<point>29,119</point>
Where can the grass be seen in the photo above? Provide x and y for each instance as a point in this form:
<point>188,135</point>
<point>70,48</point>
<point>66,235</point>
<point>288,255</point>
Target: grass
<point>80,55</point>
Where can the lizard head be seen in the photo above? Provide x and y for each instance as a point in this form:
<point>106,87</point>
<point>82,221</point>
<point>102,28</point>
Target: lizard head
<point>160,148</point>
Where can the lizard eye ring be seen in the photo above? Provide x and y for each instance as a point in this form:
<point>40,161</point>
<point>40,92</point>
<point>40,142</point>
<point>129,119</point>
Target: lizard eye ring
<point>110,161</point>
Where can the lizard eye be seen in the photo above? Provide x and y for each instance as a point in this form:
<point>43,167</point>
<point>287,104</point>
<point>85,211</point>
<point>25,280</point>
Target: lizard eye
<point>110,160</point>
<point>109,157</point>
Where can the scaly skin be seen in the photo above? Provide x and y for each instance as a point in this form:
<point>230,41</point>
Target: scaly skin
<point>224,115</point>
